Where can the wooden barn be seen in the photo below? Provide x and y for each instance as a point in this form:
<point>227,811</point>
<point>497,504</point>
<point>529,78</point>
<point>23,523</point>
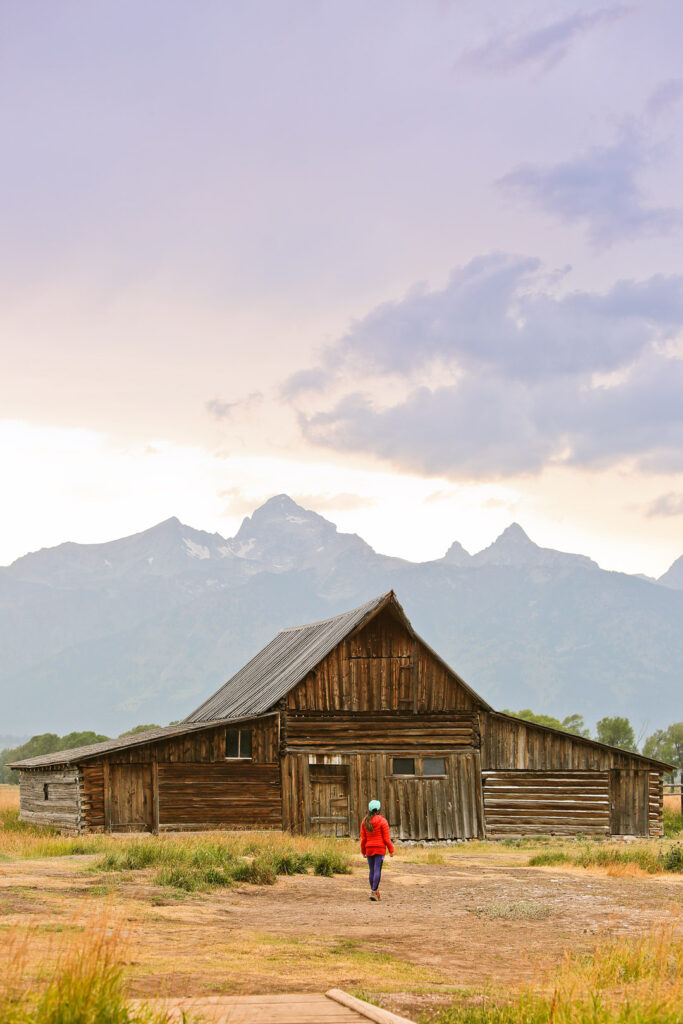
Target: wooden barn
<point>330,715</point>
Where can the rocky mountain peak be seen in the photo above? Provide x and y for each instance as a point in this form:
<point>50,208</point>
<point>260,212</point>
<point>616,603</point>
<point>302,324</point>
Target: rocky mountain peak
<point>673,577</point>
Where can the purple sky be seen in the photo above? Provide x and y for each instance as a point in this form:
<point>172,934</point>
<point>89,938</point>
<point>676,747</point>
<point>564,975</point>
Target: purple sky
<point>422,257</point>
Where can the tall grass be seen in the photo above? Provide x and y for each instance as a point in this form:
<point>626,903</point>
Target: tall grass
<point>651,858</point>
<point>624,981</point>
<point>673,820</point>
<point>84,985</point>
<point>195,865</point>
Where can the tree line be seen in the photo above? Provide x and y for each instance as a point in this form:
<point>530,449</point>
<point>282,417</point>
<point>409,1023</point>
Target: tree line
<point>50,743</point>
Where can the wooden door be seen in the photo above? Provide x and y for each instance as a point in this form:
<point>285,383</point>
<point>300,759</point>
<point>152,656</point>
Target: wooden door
<point>629,800</point>
<point>329,785</point>
<point>131,797</point>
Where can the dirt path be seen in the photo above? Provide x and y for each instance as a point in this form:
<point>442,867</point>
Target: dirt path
<point>438,926</point>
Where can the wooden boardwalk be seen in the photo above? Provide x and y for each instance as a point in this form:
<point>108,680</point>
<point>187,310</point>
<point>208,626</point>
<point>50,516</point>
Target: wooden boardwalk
<point>333,1007</point>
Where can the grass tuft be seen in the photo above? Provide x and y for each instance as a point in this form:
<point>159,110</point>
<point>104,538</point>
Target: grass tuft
<point>193,864</point>
<point>515,910</point>
<point>84,985</point>
<point>651,858</point>
<point>624,981</point>
<point>673,822</point>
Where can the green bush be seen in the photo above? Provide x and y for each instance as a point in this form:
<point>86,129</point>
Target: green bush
<point>549,858</point>
<point>258,871</point>
<point>672,859</point>
<point>329,863</point>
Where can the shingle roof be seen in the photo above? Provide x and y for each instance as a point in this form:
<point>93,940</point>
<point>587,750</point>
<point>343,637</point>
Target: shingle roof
<point>123,742</point>
<point>282,663</point>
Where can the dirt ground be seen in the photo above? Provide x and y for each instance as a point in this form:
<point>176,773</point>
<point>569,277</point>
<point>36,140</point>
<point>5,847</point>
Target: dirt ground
<point>439,928</point>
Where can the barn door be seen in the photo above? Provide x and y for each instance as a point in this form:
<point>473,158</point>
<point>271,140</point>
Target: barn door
<point>131,797</point>
<point>629,798</point>
<point>329,784</point>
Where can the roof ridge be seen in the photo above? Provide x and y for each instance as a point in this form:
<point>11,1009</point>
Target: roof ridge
<point>340,615</point>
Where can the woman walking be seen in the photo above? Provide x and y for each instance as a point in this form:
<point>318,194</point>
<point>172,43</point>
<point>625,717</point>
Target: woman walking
<point>374,843</point>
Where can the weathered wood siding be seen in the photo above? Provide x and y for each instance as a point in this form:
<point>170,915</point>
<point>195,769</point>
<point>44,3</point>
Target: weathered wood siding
<point>381,668</point>
<point>416,807</point>
<point>143,797</point>
<point>399,730</point>
<point>629,802</point>
<point>238,795</point>
<point>515,744</point>
<point>560,803</point>
<point>51,797</point>
<point>205,745</point>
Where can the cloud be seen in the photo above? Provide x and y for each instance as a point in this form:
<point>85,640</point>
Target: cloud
<point>597,189</point>
<point>670,504</point>
<point>664,97</point>
<point>547,46</point>
<point>583,378</point>
<point>220,410</point>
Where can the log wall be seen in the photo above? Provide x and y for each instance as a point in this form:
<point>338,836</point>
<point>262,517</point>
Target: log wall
<point>239,795</point>
<point>655,804</point>
<point>400,730</point>
<point>557,803</point>
<point>381,668</point>
<point>199,756</point>
<point>51,798</point>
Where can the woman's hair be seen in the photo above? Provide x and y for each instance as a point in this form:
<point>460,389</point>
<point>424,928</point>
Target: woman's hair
<point>373,809</point>
<point>367,820</point>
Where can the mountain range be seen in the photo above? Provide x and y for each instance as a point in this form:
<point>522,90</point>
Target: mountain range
<point>103,636</point>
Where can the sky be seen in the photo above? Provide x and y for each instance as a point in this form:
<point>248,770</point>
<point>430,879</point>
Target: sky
<point>417,264</point>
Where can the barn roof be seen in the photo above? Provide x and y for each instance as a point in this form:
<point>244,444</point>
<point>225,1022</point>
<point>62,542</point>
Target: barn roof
<point>136,739</point>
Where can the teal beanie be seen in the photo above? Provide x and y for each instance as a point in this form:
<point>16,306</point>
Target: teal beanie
<point>374,805</point>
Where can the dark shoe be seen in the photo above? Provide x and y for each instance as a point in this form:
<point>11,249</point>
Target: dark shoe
<point>373,895</point>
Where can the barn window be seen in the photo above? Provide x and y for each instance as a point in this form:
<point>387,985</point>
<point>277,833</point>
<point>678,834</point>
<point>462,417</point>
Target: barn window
<point>46,792</point>
<point>403,766</point>
<point>238,743</point>
<point>433,765</point>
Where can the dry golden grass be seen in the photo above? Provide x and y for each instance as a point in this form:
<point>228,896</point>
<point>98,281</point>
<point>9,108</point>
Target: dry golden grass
<point>628,980</point>
<point>9,798</point>
<point>79,979</point>
<point>673,802</point>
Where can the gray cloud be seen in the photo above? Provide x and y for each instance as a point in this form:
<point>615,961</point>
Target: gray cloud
<point>526,393</point>
<point>547,46</point>
<point>670,504</point>
<point>220,410</point>
<point>664,97</point>
<point>598,189</point>
<point>495,315</point>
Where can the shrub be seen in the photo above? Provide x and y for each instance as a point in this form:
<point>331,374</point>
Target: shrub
<point>259,871</point>
<point>672,859</point>
<point>549,858</point>
<point>329,863</point>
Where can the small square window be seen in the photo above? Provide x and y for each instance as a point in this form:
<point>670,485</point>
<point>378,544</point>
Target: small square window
<point>238,744</point>
<point>433,765</point>
<point>403,766</point>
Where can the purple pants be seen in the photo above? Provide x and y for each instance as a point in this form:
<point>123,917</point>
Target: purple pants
<point>375,864</point>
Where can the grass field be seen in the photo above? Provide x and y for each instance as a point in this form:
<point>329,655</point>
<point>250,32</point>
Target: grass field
<point>461,930</point>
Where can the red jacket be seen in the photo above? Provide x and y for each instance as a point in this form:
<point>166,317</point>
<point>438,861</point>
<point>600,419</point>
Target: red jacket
<point>377,841</point>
